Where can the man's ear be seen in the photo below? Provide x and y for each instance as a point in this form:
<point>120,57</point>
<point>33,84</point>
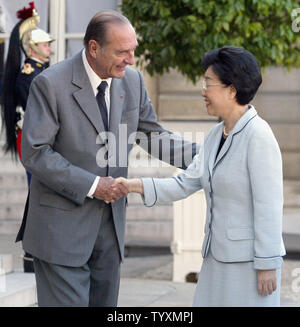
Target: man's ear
<point>93,46</point>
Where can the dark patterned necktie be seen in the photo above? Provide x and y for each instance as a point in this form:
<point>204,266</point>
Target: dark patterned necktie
<point>102,104</point>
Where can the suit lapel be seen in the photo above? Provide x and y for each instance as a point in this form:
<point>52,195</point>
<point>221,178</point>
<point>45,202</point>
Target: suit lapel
<point>117,98</point>
<point>215,146</point>
<point>226,146</point>
<point>239,126</point>
<point>84,95</point>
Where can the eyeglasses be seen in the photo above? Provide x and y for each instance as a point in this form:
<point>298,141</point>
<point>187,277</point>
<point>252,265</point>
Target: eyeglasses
<point>204,85</point>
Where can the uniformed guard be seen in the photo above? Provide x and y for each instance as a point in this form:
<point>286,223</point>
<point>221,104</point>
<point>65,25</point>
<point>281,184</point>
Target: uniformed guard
<point>35,44</point>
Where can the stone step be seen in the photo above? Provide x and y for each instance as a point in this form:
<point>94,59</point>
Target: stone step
<point>10,227</point>
<point>9,166</point>
<point>8,245</point>
<point>10,211</point>
<point>6,264</point>
<point>18,290</point>
<point>14,179</point>
<point>13,196</point>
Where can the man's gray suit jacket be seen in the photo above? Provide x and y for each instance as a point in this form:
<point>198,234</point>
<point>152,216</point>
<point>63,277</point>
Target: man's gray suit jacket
<point>61,142</point>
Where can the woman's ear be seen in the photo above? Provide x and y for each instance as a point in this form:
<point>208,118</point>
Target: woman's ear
<point>232,92</point>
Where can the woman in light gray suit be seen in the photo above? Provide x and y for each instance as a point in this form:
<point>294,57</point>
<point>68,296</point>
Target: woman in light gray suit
<point>240,169</point>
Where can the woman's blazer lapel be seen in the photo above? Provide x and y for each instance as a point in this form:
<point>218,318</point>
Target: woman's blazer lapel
<point>239,126</point>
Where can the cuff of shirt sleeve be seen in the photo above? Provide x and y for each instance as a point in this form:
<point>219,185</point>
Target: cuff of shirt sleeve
<point>149,196</point>
<point>93,188</point>
<point>267,263</point>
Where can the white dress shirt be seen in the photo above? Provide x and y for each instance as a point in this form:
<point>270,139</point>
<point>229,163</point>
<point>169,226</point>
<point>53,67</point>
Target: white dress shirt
<point>95,81</point>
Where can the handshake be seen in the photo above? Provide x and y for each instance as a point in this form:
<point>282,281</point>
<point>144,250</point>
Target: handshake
<point>111,189</point>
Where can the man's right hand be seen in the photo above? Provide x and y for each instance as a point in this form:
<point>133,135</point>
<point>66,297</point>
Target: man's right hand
<point>105,190</point>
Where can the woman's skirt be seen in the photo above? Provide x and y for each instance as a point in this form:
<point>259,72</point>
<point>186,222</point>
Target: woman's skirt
<point>232,284</point>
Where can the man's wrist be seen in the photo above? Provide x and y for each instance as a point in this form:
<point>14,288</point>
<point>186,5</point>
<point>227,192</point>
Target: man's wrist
<point>93,188</point>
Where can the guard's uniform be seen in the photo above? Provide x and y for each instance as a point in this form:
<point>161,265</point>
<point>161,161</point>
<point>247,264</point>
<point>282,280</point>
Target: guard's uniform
<point>30,69</point>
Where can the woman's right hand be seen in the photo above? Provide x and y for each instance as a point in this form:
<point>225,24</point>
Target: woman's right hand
<point>133,185</point>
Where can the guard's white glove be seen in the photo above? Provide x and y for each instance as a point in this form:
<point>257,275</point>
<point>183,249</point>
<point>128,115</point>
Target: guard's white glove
<point>21,120</point>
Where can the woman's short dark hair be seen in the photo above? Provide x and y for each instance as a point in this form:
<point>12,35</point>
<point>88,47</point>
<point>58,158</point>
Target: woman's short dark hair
<point>235,66</point>
<point>97,27</point>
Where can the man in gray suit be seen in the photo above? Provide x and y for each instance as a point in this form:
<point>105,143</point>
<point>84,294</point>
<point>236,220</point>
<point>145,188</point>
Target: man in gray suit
<point>74,152</point>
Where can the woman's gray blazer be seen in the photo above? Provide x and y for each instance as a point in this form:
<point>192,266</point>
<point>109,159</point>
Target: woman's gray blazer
<point>244,192</point>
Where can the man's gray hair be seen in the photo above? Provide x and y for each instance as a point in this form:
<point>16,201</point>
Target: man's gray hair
<point>97,27</point>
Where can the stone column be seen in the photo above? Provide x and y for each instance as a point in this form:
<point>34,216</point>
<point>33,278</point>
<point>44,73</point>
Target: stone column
<point>58,29</point>
<point>188,234</point>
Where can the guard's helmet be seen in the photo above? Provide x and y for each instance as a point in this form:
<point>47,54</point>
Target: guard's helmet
<point>30,35</point>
